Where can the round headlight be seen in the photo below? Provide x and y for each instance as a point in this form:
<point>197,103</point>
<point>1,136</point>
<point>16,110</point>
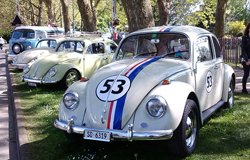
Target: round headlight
<point>28,47</point>
<point>70,100</point>
<point>52,71</point>
<point>26,68</point>
<point>156,107</point>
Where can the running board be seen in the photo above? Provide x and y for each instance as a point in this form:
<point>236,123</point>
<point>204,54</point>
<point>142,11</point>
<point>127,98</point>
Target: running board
<point>207,113</point>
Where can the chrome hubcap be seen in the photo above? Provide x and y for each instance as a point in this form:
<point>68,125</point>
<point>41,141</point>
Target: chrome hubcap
<point>191,129</point>
<point>230,95</point>
<point>71,78</point>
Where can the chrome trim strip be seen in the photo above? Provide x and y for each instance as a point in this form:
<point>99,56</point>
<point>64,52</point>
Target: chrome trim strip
<point>129,135</point>
<point>18,65</point>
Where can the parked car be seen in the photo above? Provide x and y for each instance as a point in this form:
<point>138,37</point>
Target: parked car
<point>26,37</point>
<point>74,58</point>
<point>44,47</point>
<point>163,84</point>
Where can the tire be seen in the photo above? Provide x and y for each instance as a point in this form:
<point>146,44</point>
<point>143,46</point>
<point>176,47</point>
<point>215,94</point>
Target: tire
<point>185,137</point>
<point>17,48</point>
<point>69,78</point>
<point>230,99</point>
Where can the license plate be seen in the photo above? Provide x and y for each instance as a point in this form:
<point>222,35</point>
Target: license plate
<point>97,135</point>
<point>32,84</point>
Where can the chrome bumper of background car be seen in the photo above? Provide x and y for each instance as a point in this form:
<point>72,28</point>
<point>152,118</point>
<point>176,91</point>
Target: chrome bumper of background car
<point>129,135</point>
<point>19,66</point>
<point>35,80</point>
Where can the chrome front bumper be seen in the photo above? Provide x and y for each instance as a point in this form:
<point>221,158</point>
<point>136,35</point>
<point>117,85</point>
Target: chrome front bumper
<point>129,135</point>
<point>19,66</point>
<point>36,80</point>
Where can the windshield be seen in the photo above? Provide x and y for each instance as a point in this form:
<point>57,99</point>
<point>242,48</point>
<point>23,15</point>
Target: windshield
<point>23,33</point>
<point>46,43</point>
<point>161,44</point>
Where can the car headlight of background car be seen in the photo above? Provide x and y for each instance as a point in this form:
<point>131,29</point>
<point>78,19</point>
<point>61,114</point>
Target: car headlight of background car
<point>52,71</point>
<point>156,106</point>
<point>71,100</point>
<point>26,68</point>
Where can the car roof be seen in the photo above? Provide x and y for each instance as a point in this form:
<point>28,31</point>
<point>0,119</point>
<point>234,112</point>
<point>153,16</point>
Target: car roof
<point>188,30</point>
<point>89,38</point>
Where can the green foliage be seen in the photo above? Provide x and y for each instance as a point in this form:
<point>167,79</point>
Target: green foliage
<point>236,28</point>
<point>6,34</point>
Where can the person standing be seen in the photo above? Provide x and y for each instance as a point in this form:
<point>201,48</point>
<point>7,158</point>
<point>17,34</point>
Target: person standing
<point>245,56</point>
<point>1,42</point>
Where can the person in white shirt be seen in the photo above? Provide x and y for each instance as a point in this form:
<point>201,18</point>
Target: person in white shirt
<point>1,42</point>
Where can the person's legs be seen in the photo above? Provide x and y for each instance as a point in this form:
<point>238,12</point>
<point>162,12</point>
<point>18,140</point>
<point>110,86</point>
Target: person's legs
<point>245,77</point>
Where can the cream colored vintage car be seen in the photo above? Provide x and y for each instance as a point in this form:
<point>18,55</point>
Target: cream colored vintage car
<point>74,58</point>
<point>163,84</point>
<point>44,47</point>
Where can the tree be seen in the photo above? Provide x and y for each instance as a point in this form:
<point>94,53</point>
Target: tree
<point>164,11</point>
<point>50,13</point>
<point>220,18</point>
<point>65,15</point>
<point>88,14</point>
<point>139,14</point>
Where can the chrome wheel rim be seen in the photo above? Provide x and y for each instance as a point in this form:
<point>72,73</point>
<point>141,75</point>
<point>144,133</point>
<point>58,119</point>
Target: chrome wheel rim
<point>71,78</point>
<point>191,129</point>
<point>230,95</point>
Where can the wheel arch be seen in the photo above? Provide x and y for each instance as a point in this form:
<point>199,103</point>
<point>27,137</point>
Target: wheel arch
<point>192,96</point>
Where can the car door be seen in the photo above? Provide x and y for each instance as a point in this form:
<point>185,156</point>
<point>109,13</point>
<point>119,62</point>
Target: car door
<point>96,57</point>
<point>206,74</point>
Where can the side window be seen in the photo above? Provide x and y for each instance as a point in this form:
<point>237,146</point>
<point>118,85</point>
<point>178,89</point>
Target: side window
<point>95,48</point>
<point>217,48</point>
<point>111,48</point>
<point>79,47</point>
<point>202,47</point>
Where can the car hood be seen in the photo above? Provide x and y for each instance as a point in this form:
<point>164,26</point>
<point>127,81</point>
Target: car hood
<point>41,66</point>
<point>28,55</point>
<point>116,90</point>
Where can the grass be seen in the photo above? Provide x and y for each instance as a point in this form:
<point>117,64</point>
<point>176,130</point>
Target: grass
<point>225,136</point>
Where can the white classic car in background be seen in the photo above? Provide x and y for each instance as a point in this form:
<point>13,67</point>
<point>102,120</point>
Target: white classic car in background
<point>44,47</point>
<point>162,84</point>
<point>74,57</point>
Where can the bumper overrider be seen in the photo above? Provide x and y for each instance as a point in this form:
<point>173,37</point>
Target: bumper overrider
<point>129,135</point>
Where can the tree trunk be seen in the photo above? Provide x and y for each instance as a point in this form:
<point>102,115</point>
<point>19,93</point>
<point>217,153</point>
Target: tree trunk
<point>65,15</point>
<point>220,18</point>
<point>40,11</point>
<point>50,13</point>
<point>88,14</point>
<point>139,14</point>
<point>164,11</point>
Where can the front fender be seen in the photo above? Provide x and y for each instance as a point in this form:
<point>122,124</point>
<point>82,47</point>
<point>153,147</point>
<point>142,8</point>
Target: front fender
<point>229,74</point>
<point>62,68</point>
<point>175,94</point>
<point>78,113</point>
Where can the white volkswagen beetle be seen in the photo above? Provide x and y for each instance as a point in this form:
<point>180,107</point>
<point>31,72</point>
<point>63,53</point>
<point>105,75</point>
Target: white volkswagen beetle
<point>163,83</point>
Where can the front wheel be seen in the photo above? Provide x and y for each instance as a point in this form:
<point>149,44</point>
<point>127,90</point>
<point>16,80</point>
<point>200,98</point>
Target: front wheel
<point>69,78</point>
<point>185,137</point>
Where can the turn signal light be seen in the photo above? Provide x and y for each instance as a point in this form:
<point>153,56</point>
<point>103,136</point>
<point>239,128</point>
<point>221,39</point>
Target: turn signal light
<point>84,79</point>
<point>165,82</point>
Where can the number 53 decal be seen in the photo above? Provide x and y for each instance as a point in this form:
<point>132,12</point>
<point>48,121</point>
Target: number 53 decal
<point>209,81</point>
<point>113,88</point>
